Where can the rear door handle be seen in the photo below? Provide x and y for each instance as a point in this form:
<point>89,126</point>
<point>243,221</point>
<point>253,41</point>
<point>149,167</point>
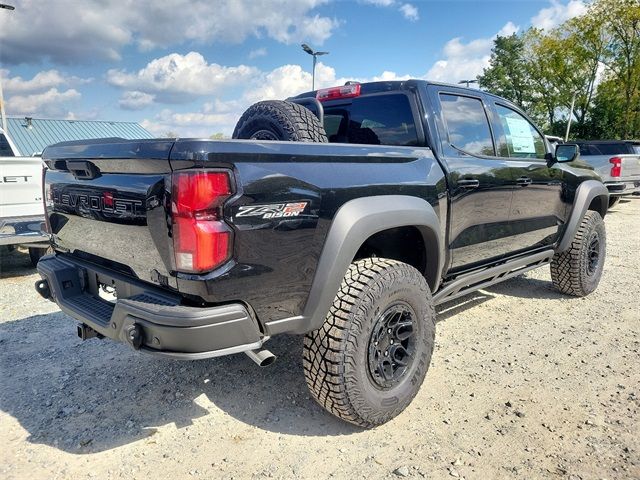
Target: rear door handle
<point>468,183</point>
<point>524,181</point>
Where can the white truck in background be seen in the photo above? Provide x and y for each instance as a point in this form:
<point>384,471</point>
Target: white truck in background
<point>618,164</point>
<point>21,206</point>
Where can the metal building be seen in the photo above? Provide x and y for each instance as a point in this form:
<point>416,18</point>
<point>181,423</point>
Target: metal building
<point>30,136</point>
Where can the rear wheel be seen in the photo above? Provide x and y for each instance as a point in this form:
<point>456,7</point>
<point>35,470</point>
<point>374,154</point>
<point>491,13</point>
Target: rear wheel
<point>279,120</point>
<point>578,270</point>
<point>368,360</point>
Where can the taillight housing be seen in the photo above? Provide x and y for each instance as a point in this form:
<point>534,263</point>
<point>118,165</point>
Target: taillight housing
<point>201,238</point>
<point>334,93</point>
<point>616,169</point>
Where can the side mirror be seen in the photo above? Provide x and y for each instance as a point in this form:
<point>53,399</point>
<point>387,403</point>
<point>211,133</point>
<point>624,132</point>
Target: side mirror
<point>567,153</point>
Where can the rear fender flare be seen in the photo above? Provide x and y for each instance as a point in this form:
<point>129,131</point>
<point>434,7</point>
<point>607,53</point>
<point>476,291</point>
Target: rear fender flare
<point>354,223</point>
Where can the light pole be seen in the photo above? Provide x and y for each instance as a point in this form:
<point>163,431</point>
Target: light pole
<point>315,55</point>
<point>573,104</point>
<point>468,82</point>
<point>4,6</point>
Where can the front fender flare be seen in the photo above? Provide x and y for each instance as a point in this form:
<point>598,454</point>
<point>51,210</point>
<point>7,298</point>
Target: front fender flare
<point>585,194</point>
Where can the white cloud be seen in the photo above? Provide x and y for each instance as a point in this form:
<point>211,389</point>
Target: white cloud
<point>410,12</point>
<point>557,13</point>
<point>68,31</point>
<point>379,3</point>
<point>463,61</point>
<point>221,115</point>
<point>41,81</point>
<point>135,100</point>
<point>466,60</point>
<point>258,52</point>
<point>46,94</point>
<point>51,103</point>
<point>179,78</point>
<point>200,124</point>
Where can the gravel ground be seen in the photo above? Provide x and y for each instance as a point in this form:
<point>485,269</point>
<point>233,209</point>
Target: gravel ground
<point>525,383</point>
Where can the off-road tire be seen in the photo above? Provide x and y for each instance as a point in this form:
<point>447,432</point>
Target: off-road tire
<point>613,201</point>
<point>35,254</point>
<point>280,120</point>
<point>571,271</point>
<point>336,357</point>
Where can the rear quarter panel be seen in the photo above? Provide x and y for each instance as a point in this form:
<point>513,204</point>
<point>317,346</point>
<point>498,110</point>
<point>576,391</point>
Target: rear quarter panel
<point>275,259</point>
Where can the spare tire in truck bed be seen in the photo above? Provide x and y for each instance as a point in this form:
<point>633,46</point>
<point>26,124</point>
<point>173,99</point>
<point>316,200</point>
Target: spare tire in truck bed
<point>279,120</point>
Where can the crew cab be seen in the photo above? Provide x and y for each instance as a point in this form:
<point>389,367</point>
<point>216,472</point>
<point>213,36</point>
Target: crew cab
<point>347,221</point>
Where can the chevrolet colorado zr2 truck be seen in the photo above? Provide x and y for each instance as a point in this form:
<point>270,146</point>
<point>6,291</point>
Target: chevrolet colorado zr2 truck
<point>345,214</point>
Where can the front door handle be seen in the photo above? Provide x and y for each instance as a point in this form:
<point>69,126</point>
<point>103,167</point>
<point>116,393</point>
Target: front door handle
<point>524,181</point>
<point>468,183</point>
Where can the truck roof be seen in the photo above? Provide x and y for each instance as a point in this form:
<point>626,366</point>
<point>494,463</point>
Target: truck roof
<point>390,85</point>
<point>604,142</point>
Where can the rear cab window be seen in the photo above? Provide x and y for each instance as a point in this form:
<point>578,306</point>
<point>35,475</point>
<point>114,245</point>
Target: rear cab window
<point>467,125</point>
<point>385,119</point>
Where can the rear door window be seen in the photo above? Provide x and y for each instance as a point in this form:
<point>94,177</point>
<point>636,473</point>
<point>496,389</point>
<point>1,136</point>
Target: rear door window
<point>467,124</point>
<point>374,120</point>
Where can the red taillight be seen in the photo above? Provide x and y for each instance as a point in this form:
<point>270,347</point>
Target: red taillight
<point>334,93</point>
<point>201,239</point>
<point>616,169</point>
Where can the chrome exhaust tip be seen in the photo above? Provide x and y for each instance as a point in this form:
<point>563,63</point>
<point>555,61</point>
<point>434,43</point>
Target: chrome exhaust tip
<point>262,358</point>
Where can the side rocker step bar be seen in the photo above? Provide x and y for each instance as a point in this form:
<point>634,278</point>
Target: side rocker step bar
<point>471,282</point>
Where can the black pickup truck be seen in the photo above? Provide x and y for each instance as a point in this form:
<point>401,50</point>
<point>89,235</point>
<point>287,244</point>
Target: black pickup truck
<point>388,198</point>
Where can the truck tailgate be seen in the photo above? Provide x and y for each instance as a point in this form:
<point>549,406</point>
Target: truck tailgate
<point>110,209</point>
<point>630,167</point>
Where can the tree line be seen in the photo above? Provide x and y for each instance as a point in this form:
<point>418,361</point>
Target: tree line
<point>591,61</point>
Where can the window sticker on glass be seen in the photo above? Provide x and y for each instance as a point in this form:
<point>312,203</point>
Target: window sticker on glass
<point>521,137</point>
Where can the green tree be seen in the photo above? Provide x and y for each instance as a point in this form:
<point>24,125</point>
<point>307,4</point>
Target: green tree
<point>594,58</point>
<point>219,136</point>
<point>506,75</point>
<point>621,19</point>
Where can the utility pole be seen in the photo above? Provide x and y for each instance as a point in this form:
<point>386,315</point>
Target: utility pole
<point>310,51</point>
<point>4,6</point>
<point>573,104</point>
<point>2,114</point>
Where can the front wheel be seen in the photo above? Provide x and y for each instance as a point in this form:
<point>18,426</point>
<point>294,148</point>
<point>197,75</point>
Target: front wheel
<point>578,270</point>
<point>368,360</point>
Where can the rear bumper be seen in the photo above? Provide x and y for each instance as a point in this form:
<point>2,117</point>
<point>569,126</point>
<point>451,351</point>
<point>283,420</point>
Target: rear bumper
<point>145,317</point>
<point>629,187</point>
<point>22,230</point>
